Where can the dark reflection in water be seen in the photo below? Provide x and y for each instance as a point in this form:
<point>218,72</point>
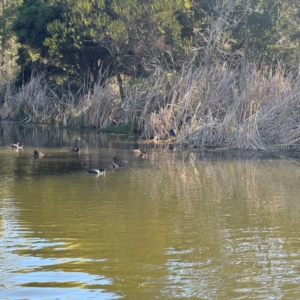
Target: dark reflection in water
<point>180,224</point>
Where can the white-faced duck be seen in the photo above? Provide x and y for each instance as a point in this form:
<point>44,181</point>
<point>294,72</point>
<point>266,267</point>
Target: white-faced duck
<point>96,171</point>
<point>37,154</point>
<point>21,147</point>
<point>75,150</point>
<point>144,155</point>
<point>14,146</point>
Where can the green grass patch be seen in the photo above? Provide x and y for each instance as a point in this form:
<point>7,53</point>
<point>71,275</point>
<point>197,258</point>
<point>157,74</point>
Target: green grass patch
<point>21,113</point>
<point>119,129</point>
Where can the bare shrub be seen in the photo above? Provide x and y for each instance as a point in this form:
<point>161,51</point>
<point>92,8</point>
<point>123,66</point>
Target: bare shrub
<point>216,107</point>
<point>100,107</point>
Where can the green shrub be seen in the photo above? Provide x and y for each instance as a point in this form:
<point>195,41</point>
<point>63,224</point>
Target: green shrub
<point>119,129</point>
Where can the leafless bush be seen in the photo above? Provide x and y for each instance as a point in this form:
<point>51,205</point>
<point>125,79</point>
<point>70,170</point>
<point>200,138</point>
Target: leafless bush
<point>243,108</point>
<point>216,107</point>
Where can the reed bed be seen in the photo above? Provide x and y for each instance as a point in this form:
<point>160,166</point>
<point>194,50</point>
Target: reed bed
<point>216,107</point>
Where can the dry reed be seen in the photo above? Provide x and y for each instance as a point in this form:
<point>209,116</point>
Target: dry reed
<point>212,107</point>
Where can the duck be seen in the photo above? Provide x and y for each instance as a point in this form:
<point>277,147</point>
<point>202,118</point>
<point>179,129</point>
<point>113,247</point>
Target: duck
<point>137,151</point>
<point>119,160</point>
<point>113,166</point>
<point>37,154</point>
<point>15,146</point>
<point>144,155</point>
<point>96,171</point>
<point>75,150</point>
<point>172,132</point>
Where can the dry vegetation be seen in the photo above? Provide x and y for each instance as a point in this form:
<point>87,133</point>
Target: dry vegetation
<point>215,107</point>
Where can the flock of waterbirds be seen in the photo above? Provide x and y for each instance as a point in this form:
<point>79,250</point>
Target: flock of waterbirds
<point>116,162</point>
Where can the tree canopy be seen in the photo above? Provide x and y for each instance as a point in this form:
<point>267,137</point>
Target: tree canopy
<point>76,40</point>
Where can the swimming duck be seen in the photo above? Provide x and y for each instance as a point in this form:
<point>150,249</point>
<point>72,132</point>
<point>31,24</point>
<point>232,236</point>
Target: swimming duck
<point>37,154</point>
<point>119,160</point>
<point>96,171</point>
<point>15,146</point>
<point>144,155</point>
<point>75,150</point>
<point>137,151</point>
<point>113,166</point>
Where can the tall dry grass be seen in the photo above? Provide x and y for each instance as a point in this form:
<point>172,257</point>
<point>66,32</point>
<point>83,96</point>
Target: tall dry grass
<point>244,108</point>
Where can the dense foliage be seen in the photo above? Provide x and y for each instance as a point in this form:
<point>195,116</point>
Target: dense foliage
<point>8,46</point>
<point>76,40</point>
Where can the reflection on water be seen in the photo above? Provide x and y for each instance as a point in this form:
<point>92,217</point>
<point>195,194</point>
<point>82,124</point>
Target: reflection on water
<point>181,224</point>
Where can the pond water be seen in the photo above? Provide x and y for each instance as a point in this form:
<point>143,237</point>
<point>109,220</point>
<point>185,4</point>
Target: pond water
<point>181,224</point>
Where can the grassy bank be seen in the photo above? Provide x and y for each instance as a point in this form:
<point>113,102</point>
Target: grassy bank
<point>215,107</point>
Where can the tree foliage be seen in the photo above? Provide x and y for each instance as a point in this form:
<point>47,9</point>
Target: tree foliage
<point>7,40</point>
<point>80,38</point>
<point>77,39</point>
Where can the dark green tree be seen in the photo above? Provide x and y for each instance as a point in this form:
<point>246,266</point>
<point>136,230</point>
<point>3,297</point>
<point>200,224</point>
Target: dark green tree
<point>78,39</point>
<point>267,33</point>
<point>8,45</point>
<point>30,27</point>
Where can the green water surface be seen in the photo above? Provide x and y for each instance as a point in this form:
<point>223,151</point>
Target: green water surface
<point>180,225</point>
